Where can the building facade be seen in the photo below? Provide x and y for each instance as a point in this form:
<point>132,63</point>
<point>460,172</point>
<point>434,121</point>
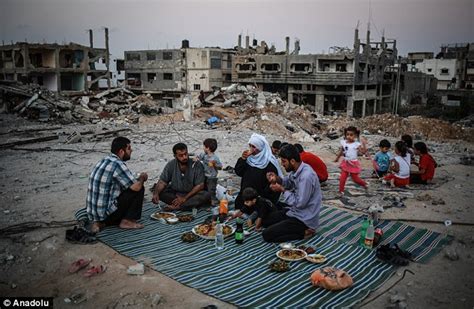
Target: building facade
<point>63,68</point>
<point>348,81</point>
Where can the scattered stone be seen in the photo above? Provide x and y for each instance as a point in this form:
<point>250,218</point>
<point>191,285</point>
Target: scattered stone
<point>451,254</point>
<point>6,212</point>
<point>67,300</point>
<point>10,257</point>
<point>137,269</point>
<point>397,298</point>
<point>13,286</point>
<point>437,201</point>
<point>155,300</point>
<point>17,198</point>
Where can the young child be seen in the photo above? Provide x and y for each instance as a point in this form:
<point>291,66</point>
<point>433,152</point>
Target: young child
<point>409,142</point>
<point>382,158</point>
<point>351,148</point>
<point>400,166</point>
<point>426,166</point>
<point>258,207</point>
<point>212,165</point>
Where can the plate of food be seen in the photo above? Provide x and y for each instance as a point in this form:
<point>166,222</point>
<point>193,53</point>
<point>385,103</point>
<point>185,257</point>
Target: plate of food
<point>185,218</point>
<point>291,255</point>
<point>316,258</point>
<point>162,216</point>
<point>208,230</point>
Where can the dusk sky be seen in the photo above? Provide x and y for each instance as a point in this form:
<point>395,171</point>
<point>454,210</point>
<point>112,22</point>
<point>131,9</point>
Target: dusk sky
<point>418,25</point>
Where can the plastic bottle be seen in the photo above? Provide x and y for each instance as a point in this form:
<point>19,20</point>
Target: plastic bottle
<point>239,231</point>
<point>219,236</point>
<point>223,208</point>
<point>363,231</point>
<point>369,236</point>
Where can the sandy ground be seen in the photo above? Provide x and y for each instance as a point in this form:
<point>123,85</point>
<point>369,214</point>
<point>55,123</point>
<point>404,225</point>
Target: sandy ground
<point>51,185</point>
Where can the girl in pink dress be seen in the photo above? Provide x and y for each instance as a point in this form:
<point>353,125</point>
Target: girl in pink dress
<point>351,148</point>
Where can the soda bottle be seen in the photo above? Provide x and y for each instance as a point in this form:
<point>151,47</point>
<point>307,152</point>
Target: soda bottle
<point>369,236</point>
<point>223,208</point>
<point>363,231</point>
<point>378,233</point>
<point>219,236</point>
<point>239,231</point>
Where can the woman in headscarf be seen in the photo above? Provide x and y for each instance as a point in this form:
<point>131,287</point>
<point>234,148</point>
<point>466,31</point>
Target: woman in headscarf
<point>253,166</point>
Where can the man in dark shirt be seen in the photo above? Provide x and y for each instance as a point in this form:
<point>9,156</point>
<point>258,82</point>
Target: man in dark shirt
<point>181,183</point>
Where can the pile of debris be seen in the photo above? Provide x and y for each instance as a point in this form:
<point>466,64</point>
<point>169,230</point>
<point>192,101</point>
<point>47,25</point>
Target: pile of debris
<point>35,102</point>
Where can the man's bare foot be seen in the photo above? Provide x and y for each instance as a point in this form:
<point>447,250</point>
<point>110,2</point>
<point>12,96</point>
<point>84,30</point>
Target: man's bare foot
<point>97,227</point>
<point>130,225</point>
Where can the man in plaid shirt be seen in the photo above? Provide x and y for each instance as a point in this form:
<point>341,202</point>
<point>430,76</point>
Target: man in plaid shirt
<point>114,195</point>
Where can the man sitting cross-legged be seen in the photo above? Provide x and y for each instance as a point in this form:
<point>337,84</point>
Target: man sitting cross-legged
<point>181,183</point>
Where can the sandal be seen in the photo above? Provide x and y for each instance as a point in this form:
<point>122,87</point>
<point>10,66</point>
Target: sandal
<point>78,265</point>
<point>95,270</point>
<point>80,236</point>
<point>392,255</point>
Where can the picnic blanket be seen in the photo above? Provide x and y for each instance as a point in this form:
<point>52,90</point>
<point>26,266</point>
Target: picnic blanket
<point>239,274</point>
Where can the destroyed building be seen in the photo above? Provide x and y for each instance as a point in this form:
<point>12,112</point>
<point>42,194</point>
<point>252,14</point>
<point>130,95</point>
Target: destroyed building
<point>63,68</point>
<point>345,81</point>
<point>170,73</point>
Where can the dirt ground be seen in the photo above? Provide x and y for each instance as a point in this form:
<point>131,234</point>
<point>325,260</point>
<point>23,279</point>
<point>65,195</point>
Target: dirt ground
<point>50,185</point>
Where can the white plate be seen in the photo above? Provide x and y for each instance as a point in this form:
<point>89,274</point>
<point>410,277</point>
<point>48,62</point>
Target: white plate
<point>212,237</point>
<point>292,260</point>
<point>153,216</point>
<point>323,258</point>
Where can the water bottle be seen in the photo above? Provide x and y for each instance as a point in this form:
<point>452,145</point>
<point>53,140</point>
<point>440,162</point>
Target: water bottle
<point>369,236</point>
<point>363,231</point>
<point>219,236</point>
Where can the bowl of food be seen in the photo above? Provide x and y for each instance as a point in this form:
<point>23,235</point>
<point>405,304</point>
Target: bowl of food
<point>316,258</point>
<point>286,245</point>
<point>162,216</point>
<point>291,255</point>
<point>279,266</point>
<point>189,237</point>
<point>309,250</point>
<point>185,218</point>
<point>208,230</point>
<point>172,220</point>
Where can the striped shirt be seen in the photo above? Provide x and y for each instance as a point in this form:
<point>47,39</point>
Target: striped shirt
<point>108,179</point>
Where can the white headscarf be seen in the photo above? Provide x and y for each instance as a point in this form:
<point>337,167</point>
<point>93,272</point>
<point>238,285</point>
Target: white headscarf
<point>265,155</point>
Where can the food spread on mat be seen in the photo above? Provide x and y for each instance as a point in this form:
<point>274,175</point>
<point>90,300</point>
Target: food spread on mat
<point>316,258</point>
<point>164,215</point>
<point>279,266</point>
<point>309,250</point>
<point>291,254</point>
<point>185,218</point>
<point>209,229</point>
<point>189,237</point>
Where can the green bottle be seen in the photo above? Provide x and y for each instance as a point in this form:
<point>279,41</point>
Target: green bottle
<point>363,231</point>
<point>239,231</point>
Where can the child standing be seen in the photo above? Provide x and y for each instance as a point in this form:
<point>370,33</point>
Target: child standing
<point>351,148</point>
<point>426,167</point>
<point>400,166</point>
<point>212,165</point>
<point>410,153</point>
<point>382,158</point>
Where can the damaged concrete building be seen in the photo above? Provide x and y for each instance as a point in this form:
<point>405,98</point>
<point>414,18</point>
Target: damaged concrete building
<point>169,73</point>
<point>63,68</point>
<point>345,81</point>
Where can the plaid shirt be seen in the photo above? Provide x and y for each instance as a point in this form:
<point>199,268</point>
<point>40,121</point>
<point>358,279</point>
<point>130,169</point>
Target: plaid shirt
<point>108,179</point>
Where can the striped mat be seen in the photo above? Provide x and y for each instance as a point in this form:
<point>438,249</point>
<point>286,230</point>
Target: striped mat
<point>239,274</point>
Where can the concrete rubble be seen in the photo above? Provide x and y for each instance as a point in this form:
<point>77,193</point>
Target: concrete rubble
<point>236,106</point>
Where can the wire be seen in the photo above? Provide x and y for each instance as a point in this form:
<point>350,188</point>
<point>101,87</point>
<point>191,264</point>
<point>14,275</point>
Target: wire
<point>371,300</point>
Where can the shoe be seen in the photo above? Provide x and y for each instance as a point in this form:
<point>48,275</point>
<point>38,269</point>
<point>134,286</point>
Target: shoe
<point>80,236</point>
<point>393,255</point>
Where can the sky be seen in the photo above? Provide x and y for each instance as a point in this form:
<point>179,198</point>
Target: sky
<point>418,25</point>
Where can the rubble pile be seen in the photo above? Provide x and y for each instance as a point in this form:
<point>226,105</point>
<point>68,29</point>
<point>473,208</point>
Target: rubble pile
<point>417,126</point>
<point>35,102</point>
<point>236,106</point>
